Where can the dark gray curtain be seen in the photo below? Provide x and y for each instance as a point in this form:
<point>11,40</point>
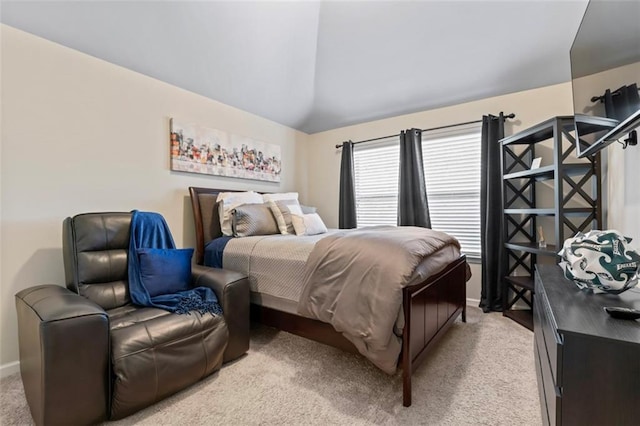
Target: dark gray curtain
<point>413,208</point>
<point>621,103</point>
<point>491,231</point>
<point>347,206</point>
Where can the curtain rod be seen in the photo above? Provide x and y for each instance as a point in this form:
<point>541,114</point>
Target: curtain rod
<point>601,98</point>
<point>512,115</point>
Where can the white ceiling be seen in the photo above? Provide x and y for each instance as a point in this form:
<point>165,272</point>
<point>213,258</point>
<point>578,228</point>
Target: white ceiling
<point>316,66</point>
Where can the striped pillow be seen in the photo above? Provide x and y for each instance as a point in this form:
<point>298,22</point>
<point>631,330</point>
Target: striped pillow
<point>282,211</point>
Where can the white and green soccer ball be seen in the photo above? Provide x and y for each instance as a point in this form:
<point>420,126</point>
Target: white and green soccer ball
<point>601,261</point>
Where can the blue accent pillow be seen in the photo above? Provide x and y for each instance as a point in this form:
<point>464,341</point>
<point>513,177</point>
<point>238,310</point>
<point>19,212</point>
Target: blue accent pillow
<point>165,271</point>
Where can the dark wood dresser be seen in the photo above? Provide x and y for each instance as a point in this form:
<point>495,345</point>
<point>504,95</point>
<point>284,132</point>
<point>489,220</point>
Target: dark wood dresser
<point>587,363</point>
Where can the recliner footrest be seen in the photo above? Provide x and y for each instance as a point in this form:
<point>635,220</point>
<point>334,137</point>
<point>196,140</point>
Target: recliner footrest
<point>156,353</point>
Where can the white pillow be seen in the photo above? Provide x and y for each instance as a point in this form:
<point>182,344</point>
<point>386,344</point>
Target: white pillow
<point>308,224</point>
<point>228,201</point>
<point>295,209</point>
<point>280,196</point>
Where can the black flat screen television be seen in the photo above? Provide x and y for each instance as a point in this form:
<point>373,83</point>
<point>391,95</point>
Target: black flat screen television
<point>605,74</point>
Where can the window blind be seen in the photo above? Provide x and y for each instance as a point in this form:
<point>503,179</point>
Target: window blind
<point>375,167</point>
<point>452,173</point>
<point>451,161</point>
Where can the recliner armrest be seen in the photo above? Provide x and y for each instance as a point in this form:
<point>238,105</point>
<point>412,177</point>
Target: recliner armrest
<point>232,290</point>
<point>64,355</point>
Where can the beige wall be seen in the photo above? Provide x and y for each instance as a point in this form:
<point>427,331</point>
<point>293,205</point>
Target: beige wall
<point>622,181</point>
<point>80,134</point>
<point>530,107</point>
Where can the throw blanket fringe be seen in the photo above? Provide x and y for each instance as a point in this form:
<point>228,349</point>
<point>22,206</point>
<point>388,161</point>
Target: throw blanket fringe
<point>149,230</point>
<point>193,301</point>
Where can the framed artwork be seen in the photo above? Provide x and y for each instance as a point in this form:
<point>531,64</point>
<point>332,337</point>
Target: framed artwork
<point>199,149</point>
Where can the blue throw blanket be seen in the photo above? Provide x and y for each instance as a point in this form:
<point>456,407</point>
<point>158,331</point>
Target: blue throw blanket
<point>149,230</point>
<point>214,251</point>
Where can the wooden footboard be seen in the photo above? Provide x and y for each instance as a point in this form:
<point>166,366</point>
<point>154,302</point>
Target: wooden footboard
<point>430,308</point>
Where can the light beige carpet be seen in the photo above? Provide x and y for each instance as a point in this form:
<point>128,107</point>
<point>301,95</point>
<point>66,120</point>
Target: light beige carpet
<point>481,373</point>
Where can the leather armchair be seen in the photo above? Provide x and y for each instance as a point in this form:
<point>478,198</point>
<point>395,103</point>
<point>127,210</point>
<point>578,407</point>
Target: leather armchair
<point>87,354</point>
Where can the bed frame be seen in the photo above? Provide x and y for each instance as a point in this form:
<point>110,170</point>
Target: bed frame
<point>430,307</point>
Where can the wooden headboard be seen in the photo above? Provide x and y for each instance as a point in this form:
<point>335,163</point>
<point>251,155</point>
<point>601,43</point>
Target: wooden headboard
<point>205,217</point>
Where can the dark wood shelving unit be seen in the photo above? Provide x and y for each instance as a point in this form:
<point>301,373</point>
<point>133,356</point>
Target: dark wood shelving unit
<point>525,282</point>
<point>575,208</point>
<point>523,317</point>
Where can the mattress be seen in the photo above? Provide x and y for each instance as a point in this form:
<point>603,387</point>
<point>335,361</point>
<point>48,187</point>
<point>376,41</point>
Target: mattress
<point>275,265</point>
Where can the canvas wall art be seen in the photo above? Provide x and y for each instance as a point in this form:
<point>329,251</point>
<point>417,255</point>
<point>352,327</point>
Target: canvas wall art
<point>199,149</point>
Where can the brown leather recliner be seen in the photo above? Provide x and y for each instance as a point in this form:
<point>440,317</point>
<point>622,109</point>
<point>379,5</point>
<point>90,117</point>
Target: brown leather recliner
<point>87,354</point>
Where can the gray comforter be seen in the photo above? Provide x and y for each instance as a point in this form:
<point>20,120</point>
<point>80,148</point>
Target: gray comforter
<point>354,280</point>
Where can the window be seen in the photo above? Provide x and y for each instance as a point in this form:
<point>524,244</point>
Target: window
<point>452,174</point>
<point>375,166</point>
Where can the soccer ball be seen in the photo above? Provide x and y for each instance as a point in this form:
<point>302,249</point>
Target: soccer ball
<point>601,261</point>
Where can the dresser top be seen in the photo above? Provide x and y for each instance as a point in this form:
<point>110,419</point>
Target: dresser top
<point>581,312</point>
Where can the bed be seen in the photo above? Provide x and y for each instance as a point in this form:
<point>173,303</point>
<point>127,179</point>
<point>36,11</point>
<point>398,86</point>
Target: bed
<point>429,306</point>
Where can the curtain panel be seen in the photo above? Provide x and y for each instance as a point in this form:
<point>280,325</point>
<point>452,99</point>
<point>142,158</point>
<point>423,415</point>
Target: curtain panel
<point>491,229</point>
<point>347,218</point>
<point>621,103</point>
<point>413,207</point>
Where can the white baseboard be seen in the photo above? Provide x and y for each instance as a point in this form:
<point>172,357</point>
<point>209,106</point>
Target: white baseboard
<point>9,368</point>
<point>473,302</point>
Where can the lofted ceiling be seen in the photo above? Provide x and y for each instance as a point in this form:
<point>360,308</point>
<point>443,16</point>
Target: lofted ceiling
<point>315,66</point>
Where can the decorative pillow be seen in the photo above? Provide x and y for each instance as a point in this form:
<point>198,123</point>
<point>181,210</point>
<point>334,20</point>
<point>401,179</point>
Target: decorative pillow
<point>278,196</point>
<point>308,209</point>
<point>228,201</point>
<point>165,271</point>
<point>282,211</point>
<point>308,224</point>
<point>253,219</point>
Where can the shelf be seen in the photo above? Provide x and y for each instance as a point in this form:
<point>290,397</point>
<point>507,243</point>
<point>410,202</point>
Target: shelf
<point>577,211</point>
<point>546,172</point>
<point>544,131</point>
<point>521,316</point>
<point>524,282</point>
<point>538,133</point>
<point>572,211</point>
<point>549,250</point>
<point>539,212</point>
<point>576,168</point>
